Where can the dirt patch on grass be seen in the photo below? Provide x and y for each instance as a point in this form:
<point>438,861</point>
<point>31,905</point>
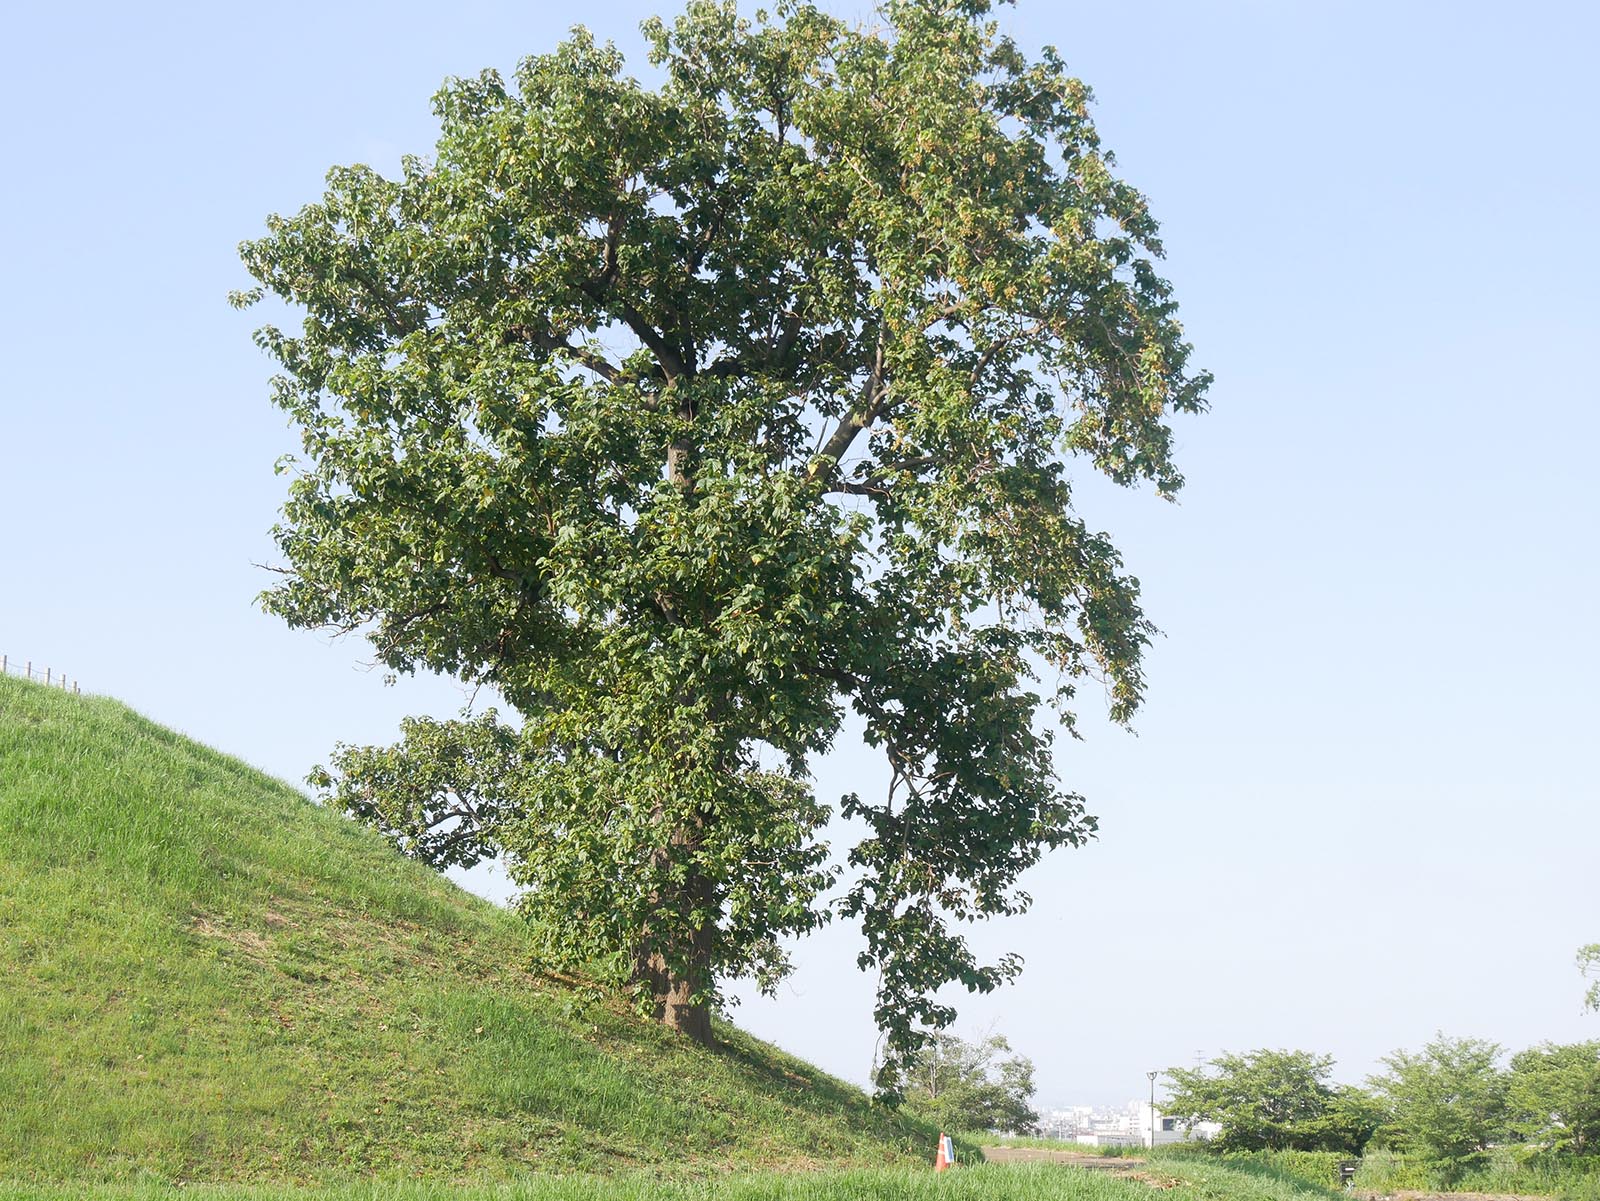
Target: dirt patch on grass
<point>1156,1180</point>
<point>253,945</point>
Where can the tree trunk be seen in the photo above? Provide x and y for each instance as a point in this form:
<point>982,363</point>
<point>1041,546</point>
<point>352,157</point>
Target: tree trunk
<point>672,993</point>
<point>671,1002</point>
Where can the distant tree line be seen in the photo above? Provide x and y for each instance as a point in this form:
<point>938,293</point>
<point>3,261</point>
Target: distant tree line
<point>1447,1104</point>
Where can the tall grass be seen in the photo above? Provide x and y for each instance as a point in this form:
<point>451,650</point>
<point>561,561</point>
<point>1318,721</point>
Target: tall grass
<point>1519,1170</point>
<point>989,1182</point>
<point>1509,1170</point>
<point>1317,1168</point>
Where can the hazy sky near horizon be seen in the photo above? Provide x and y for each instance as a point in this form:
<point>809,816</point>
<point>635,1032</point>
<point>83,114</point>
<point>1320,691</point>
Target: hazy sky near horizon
<point>1361,803</point>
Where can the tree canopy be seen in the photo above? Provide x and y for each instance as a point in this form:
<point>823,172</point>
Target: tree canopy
<point>691,418</point>
<point>972,1087</point>
<point>1273,1100</point>
<point>1448,1100</point>
<point>1553,1097</point>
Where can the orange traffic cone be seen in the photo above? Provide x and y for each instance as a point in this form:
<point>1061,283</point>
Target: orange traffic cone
<point>946,1158</point>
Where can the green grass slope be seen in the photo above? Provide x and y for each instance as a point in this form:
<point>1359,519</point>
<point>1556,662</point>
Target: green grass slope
<point>205,977</point>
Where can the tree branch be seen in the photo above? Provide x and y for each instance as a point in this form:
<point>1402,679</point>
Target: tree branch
<point>549,342</point>
<point>862,414</point>
<point>671,362</point>
<point>596,289</point>
<point>770,355</point>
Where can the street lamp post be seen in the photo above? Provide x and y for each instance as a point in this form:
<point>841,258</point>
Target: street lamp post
<point>1152,1076</point>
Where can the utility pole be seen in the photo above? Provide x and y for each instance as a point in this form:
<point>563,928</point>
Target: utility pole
<point>1152,1076</point>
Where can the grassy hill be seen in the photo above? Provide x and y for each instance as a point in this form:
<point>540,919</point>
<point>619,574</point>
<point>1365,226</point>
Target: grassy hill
<point>204,976</point>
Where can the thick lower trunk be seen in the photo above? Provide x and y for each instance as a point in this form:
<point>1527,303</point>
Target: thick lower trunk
<point>673,994</point>
<point>673,1003</point>
<point>677,994</point>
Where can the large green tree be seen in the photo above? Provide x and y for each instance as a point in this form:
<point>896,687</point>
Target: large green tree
<point>1447,1101</point>
<point>694,417</point>
<point>1553,1094</point>
<point>1273,1100</point>
<point>972,1087</point>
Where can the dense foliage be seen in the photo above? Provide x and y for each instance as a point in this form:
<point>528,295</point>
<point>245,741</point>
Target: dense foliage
<point>1445,1107</point>
<point>1553,1096</point>
<point>1447,1101</point>
<point>691,419</point>
<point>1273,1100</point>
<point>972,1086</point>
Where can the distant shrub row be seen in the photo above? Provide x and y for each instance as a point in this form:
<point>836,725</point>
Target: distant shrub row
<point>1452,1110</point>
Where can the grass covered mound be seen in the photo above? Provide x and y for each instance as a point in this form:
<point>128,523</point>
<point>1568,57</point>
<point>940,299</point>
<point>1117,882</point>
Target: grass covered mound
<point>204,976</point>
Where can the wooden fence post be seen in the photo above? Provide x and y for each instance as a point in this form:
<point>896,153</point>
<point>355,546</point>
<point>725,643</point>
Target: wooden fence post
<point>50,676</point>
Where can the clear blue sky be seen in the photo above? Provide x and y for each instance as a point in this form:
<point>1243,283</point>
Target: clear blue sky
<point>1361,806</point>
